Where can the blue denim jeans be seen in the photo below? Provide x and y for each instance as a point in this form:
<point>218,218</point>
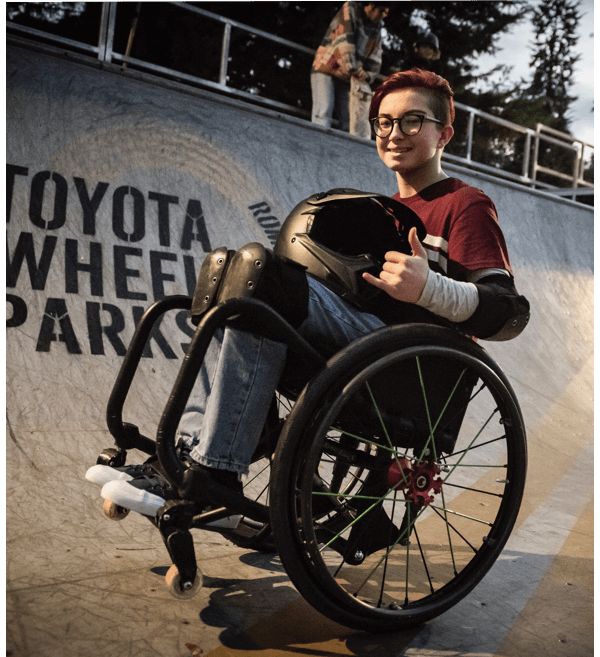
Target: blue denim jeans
<point>329,95</point>
<point>228,407</point>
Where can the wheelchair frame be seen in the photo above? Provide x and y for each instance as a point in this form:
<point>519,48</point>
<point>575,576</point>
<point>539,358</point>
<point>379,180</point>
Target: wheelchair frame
<point>319,464</point>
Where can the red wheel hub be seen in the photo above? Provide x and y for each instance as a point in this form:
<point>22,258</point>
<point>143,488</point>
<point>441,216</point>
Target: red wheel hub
<point>419,480</point>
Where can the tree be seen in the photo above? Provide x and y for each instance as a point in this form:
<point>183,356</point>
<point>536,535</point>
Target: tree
<point>465,31</point>
<point>48,12</point>
<point>74,20</point>
<point>545,97</point>
<point>553,60</point>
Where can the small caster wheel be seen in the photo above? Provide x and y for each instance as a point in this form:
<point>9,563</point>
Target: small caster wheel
<point>173,582</point>
<point>112,457</point>
<point>114,511</point>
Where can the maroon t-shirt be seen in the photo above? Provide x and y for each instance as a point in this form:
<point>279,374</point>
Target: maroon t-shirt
<point>463,234</point>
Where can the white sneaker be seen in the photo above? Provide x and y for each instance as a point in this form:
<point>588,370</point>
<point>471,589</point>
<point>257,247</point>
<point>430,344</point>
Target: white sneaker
<point>102,474</point>
<point>142,490</point>
<point>125,493</point>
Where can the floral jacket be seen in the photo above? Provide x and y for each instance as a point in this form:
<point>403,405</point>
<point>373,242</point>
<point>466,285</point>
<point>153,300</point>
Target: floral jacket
<point>351,46</point>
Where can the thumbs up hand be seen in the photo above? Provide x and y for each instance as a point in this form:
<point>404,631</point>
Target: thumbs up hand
<point>403,276</point>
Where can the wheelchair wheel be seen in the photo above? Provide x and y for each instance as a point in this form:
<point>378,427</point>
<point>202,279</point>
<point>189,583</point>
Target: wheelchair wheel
<point>437,491</point>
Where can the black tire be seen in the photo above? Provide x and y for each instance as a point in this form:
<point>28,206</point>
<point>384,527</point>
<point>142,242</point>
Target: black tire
<point>422,529</point>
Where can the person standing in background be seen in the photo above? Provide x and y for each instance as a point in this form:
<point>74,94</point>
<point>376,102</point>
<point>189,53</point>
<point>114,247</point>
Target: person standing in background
<point>424,54</point>
<point>345,64</point>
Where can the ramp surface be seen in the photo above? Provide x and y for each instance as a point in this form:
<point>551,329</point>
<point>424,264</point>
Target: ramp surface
<point>116,188</point>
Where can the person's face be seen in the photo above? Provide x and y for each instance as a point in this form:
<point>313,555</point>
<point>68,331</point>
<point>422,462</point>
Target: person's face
<point>425,51</point>
<point>376,14</point>
<point>402,153</point>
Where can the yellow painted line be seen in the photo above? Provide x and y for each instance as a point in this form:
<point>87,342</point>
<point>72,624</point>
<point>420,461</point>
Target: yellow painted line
<point>558,620</point>
<point>553,445</point>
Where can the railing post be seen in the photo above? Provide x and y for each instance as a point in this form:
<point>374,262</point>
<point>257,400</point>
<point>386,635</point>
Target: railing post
<point>102,31</point>
<point>576,166</point>
<point>107,31</point>
<point>111,31</point>
<point>581,163</point>
<point>225,54</point>
<point>470,135</point>
<point>526,155</point>
<point>536,150</point>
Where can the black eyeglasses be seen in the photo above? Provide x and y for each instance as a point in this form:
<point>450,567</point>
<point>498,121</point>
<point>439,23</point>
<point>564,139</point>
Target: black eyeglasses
<point>410,124</point>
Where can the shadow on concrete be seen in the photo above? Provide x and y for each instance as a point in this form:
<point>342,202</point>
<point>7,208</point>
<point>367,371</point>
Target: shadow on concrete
<point>476,626</point>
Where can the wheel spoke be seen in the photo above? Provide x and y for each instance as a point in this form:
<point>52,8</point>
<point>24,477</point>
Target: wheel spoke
<point>284,402</point>
<point>454,529</point>
<point>462,409</point>
<point>448,532</point>
<point>462,515</point>
<point>350,524</point>
<point>468,448</point>
<point>387,552</point>
<point>406,533</point>
<point>475,465</point>
<point>471,448</point>
<point>354,478</point>
<point>380,418</point>
<point>432,429</point>
<point>351,496</point>
<point>423,560</point>
<point>385,431</point>
<point>257,475</point>
<point>265,488</point>
<point>475,490</point>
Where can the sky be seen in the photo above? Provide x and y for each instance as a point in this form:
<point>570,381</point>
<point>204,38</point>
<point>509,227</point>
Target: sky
<point>514,51</point>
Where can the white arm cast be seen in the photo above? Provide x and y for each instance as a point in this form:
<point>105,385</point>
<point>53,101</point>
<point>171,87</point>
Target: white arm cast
<point>450,299</point>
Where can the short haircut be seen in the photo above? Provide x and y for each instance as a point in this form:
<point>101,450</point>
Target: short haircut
<point>438,89</point>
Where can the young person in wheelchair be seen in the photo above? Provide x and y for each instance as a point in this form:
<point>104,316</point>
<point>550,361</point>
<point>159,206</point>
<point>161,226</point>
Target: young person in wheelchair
<point>437,255</point>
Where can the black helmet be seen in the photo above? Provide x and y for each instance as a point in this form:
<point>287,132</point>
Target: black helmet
<point>338,234</point>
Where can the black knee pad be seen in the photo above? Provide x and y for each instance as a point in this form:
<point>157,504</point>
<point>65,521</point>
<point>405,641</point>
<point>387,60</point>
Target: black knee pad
<point>254,271</point>
<point>210,279</point>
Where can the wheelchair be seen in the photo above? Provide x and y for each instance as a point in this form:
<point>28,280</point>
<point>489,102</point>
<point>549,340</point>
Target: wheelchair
<point>388,484</point>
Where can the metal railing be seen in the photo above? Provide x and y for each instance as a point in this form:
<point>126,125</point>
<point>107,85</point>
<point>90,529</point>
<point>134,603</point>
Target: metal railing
<point>544,133</point>
<point>527,173</point>
<point>472,114</point>
<point>533,141</point>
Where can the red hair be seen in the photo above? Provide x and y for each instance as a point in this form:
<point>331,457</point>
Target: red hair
<point>438,89</point>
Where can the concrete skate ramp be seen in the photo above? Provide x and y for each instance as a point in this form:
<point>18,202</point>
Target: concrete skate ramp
<point>117,186</point>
